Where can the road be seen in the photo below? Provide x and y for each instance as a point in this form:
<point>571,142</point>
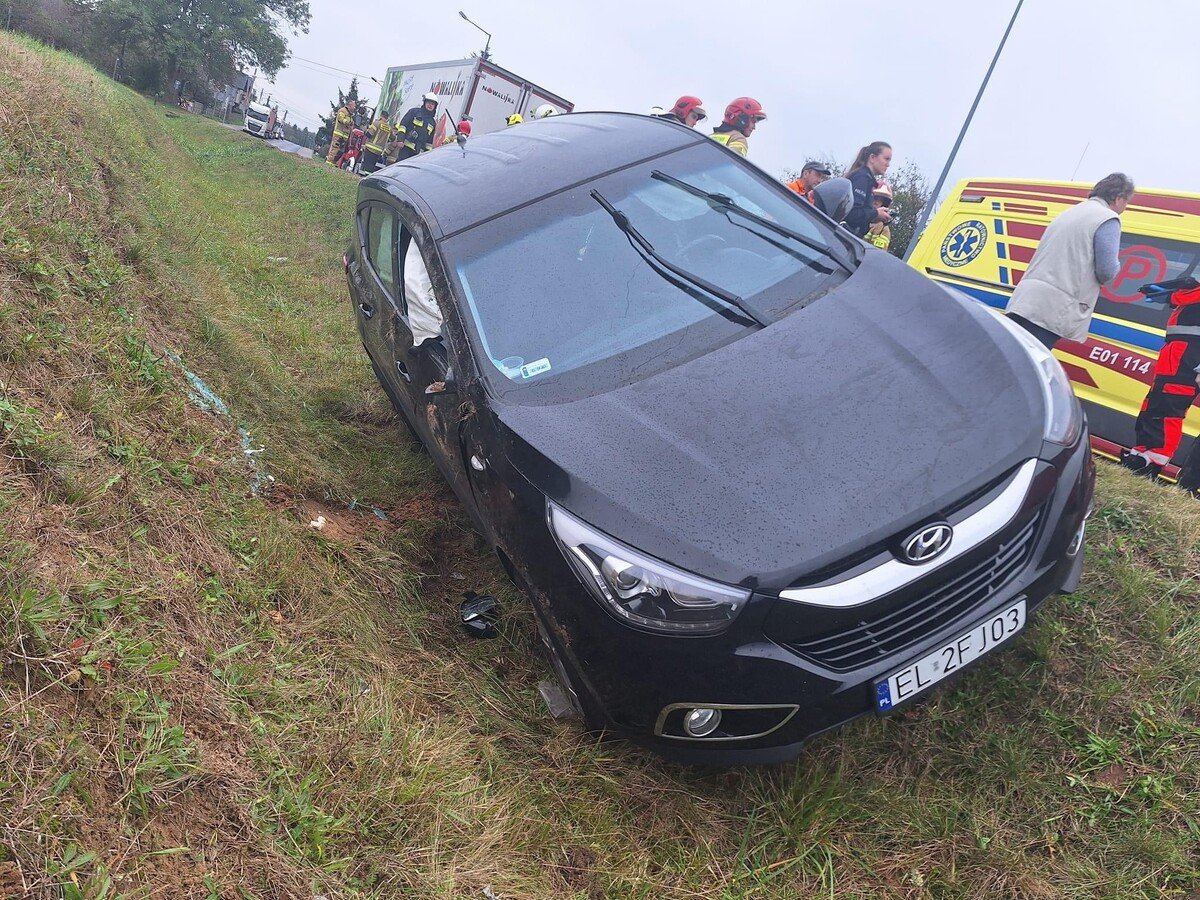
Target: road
<point>284,146</point>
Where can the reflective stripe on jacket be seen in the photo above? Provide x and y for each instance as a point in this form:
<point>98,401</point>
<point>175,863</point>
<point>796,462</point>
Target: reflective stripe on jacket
<point>342,123</point>
<point>734,140</point>
<point>380,133</point>
<point>417,128</point>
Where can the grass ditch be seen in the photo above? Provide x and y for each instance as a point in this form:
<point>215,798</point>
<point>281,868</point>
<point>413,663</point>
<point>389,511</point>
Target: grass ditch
<point>201,696</point>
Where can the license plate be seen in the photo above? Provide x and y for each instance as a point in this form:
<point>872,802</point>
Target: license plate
<point>949,658</point>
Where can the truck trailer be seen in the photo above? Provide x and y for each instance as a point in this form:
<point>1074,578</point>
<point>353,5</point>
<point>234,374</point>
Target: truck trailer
<point>472,87</point>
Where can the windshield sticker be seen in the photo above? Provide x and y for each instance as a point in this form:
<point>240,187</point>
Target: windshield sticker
<point>537,367</point>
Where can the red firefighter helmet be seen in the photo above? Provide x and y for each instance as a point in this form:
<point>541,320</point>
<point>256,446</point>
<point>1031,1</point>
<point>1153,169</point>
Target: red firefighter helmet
<point>742,111</point>
<point>686,105</point>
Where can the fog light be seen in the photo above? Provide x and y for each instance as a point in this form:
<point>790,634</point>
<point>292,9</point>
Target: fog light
<point>702,722</point>
<point>1077,541</point>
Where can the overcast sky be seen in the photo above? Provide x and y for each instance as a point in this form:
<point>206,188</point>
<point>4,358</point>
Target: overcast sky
<point>1112,76</point>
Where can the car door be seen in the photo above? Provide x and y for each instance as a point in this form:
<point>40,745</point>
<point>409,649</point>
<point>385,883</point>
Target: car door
<point>429,367</point>
<point>377,282</point>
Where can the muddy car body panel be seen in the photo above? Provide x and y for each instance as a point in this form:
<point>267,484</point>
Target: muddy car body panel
<point>703,428</point>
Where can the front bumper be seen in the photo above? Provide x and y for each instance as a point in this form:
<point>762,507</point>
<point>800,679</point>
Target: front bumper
<point>779,670</point>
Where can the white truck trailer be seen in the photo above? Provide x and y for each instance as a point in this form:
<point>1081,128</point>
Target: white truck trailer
<point>472,87</point>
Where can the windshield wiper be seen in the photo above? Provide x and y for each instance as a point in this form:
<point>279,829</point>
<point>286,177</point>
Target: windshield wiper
<point>722,201</point>
<point>744,314</point>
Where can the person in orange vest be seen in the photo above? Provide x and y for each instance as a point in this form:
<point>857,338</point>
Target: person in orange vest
<point>741,118</point>
<point>811,175</point>
<point>1159,427</point>
<point>343,122</point>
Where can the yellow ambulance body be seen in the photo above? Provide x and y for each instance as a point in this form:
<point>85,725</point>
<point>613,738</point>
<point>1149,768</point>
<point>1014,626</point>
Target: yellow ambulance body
<point>982,239</point>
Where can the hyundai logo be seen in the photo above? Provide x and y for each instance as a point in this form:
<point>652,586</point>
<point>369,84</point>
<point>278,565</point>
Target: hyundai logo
<point>927,544</point>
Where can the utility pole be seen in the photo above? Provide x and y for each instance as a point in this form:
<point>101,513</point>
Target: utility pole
<point>937,190</point>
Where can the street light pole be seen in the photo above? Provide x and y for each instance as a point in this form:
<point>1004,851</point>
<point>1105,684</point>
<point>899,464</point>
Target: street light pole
<point>937,190</point>
<point>486,55</point>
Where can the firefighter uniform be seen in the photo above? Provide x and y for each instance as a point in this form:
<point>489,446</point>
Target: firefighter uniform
<point>342,123</point>
<point>734,140</point>
<point>1159,427</point>
<point>379,133</point>
<point>415,131</point>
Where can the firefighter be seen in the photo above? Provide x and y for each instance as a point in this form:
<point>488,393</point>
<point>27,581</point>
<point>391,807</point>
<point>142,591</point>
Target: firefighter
<point>741,117</point>
<point>379,133</point>
<point>416,128</point>
<point>687,111</point>
<point>1159,427</point>
<point>464,129</point>
<point>343,121</point>
<point>514,119</point>
<point>545,111</point>
<point>880,233</point>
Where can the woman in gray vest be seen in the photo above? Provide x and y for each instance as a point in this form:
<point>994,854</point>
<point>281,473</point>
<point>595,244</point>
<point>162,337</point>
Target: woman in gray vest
<point>1077,254</point>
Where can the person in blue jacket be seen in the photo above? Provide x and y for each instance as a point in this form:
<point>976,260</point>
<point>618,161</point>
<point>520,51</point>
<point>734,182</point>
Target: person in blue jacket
<point>864,173</point>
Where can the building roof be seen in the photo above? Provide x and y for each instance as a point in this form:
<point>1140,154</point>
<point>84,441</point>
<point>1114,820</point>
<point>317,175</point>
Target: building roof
<point>504,169</point>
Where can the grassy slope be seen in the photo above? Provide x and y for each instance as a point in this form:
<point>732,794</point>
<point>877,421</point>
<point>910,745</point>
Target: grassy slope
<point>201,696</point>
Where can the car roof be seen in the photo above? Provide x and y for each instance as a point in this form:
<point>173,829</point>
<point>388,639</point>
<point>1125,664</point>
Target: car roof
<point>504,169</point>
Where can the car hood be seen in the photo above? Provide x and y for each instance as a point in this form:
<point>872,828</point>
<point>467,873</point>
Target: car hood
<point>836,427</point>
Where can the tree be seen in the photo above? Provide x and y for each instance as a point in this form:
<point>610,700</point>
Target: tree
<point>911,191</point>
<point>157,43</point>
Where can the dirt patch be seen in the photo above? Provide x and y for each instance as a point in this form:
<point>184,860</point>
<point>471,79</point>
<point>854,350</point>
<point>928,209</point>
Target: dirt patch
<point>1114,776</point>
<point>337,524</point>
<point>577,872</point>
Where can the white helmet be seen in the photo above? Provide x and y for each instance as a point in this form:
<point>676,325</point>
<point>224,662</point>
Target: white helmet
<point>545,111</point>
<point>429,96</point>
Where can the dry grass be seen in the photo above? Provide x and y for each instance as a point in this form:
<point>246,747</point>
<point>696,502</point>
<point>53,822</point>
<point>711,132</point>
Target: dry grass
<point>200,696</point>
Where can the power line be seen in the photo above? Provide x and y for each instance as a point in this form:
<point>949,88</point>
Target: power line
<point>335,68</point>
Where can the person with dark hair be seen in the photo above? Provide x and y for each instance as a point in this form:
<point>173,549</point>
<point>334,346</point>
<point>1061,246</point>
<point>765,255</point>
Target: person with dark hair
<point>869,166</point>
<point>741,117</point>
<point>1075,257</point>
<point>687,111</point>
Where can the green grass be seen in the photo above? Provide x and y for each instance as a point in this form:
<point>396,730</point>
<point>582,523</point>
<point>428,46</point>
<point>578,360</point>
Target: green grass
<point>201,696</point>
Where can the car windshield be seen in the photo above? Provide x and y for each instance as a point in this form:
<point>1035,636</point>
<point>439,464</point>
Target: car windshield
<point>625,274</point>
<point>256,115</point>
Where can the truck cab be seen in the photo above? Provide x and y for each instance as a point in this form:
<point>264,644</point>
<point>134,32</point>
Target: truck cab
<point>260,120</point>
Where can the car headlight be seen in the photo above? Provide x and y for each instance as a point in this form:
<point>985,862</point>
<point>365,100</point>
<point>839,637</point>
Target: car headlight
<point>639,589</point>
<point>1064,417</point>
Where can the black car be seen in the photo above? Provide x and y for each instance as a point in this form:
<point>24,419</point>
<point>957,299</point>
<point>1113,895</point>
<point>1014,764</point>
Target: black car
<point>756,478</point>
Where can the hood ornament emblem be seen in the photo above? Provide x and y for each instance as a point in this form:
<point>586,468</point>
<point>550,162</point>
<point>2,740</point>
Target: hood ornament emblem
<point>927,544</point>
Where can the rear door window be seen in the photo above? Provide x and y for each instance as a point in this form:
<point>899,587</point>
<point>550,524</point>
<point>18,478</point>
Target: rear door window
<point>381,246</point>
<point>1145,260</point>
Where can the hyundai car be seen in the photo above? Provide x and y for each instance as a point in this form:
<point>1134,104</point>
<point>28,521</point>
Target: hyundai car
<point>756,478</point>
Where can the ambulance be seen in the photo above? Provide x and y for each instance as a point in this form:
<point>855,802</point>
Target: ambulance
<point>982,239</point>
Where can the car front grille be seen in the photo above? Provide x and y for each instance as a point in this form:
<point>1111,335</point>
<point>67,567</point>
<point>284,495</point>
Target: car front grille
<point>924,613</point>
